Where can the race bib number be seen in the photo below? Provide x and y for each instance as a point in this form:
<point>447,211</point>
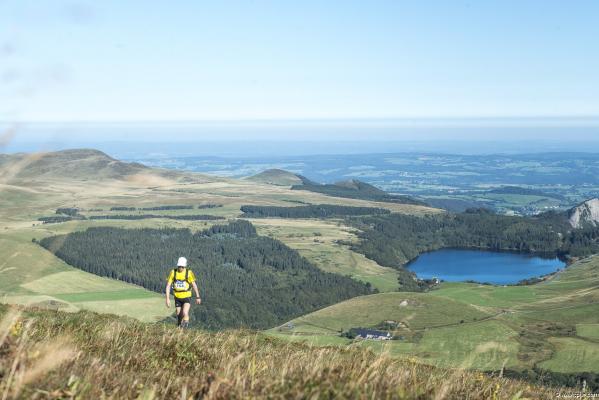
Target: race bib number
<point>180,285</point>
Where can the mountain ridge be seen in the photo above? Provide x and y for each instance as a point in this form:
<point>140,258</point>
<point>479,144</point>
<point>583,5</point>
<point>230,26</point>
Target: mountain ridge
<point>85,164</point>
<point>71,163</point>
<point>355,189</point>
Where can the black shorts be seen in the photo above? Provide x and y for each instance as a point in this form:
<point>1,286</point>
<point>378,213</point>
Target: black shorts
<point>180,302</point>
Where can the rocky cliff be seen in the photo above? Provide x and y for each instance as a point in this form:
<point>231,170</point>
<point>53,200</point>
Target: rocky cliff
<point>586,214</point>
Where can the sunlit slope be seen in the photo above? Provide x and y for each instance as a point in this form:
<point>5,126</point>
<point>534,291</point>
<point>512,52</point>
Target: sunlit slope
<point>86,355</point>
<point>80,164</point>
<point>438,331</point>
<point>32,275</point>
<point>276,177</point>
<point>566,297</point>
<point>553,325</point>
<point>416,311</point>
<point>320,241</point>
<point>35,183</point>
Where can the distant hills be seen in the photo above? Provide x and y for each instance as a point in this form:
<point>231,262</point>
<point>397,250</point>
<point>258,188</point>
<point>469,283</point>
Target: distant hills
<point>277,177</point>
<point>584,215</point>
<point>355,189</point>
<point>352,189</point>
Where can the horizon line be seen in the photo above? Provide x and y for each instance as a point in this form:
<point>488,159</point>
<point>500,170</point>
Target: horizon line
<point>405,120</point>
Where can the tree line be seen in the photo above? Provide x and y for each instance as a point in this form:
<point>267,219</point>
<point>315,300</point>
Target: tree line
<point>185,217</point>
<point>165,208</point>
<point>68,211</point>
<point>56,219</point>
<point>190,217</point>
<point>245,280</point>
<point>394,240</point>
<point>309,211</point>
<point>355,190</point>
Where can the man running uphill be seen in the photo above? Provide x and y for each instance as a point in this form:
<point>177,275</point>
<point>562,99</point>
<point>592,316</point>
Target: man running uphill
<point>181,280</point>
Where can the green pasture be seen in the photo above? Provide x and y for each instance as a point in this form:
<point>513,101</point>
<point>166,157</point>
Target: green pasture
<point>32,275</point>
<point>573,355</point>
<point>415,311</point>
<point>589,331</point>
<point>487,295</point>
<point>477,326</point>
<point>316,240</point>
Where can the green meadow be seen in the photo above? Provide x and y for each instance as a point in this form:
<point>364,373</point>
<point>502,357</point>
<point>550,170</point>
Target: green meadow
<point>553,325</point>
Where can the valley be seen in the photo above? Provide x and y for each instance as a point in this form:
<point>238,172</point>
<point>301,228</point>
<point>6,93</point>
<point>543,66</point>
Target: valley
<point>35,187</point>
<point>544,332</point>
<point>516,328</point>
<point>276,200</point>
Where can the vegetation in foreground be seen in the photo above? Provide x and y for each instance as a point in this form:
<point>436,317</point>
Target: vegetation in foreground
<point>51,355</point>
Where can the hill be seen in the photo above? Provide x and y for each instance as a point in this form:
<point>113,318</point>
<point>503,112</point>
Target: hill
<point>246,280</point>
<point>545,332</point>
<point>276,177</point>
<point>355,189</point>
<point>585,214</point>
<point>174,198</point>
<point>86,355</point>
<point>72,164</point>
<point>76,165</point>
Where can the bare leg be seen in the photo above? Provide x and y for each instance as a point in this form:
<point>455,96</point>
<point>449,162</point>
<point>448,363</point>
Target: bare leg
<point>179,316</point>
<point>185,315</point>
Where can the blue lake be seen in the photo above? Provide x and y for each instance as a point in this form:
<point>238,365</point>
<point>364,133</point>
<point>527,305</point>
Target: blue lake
<point>482,266</point>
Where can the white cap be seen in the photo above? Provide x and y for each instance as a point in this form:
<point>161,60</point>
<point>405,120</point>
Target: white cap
<point>182,262</point>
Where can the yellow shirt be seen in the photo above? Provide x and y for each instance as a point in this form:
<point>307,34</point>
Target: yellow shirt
<point>184,290</point>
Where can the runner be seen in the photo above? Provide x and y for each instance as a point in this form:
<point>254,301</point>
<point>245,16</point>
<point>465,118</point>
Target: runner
<point>181,280</point>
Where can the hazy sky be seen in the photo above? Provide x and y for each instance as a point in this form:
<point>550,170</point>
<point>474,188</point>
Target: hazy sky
<point>221,60</point>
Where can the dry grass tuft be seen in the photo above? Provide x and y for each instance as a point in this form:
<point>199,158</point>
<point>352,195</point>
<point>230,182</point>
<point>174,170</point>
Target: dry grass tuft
<point>99,356</point>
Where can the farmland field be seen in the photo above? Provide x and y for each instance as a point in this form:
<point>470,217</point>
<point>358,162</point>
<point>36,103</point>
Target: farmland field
<point>553,324</point>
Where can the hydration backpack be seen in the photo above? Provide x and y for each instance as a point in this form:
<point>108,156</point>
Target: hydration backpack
<point>180,285</point>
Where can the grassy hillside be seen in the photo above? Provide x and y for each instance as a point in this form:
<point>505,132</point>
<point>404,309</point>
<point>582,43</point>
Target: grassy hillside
<point>551,326</point>
<point>34,186</point>
<point>323,242</point>
<point>31,275</point>
<point>246,280</point>
<point>84,355</point>
<point>276,177</point>
<point>77,163</point>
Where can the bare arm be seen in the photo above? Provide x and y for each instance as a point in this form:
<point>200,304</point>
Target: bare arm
<point>197,292</point>
<point>167,293</point>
